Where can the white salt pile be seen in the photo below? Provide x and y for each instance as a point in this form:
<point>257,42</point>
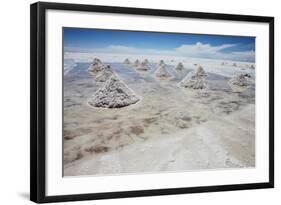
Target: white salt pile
<point>161,72</point>
<point>195,80</point>
<point>240,80</point>
<point>96,66</point>
<point>161,63</point>
<point>104,74</point>
<point>126,61</point>
<point>143,66</point>
<point>114,94</point>
<point>179,67</point>
<point>137,63</point>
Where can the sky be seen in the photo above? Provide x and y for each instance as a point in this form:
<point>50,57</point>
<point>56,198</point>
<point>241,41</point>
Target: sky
<point>155,43</point>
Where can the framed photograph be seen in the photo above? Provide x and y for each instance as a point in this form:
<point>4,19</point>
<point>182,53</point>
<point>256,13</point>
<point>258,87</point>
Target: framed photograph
<point>129,102</point>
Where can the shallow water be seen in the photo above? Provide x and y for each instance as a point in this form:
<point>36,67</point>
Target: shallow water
<point>165,110</point>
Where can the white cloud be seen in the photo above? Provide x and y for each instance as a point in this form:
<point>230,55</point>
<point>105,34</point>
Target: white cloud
<point>198,50</point>
<point>215,52</point>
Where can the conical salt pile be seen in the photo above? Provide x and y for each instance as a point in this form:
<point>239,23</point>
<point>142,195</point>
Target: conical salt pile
<point>195,80</point>
<point>114,94</point>
<point>126,61</point>
<point>96,66</point>
<point>162,72</point>
<point>200,73</point>
<point>137,63</point>
<point>104,74</point>
<point>241,80</point>
<point>179,67</point>
<point>161,63</point>
<point>143,66</point>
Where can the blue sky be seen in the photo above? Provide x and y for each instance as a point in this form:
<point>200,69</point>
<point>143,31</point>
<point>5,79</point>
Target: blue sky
<point>155,43</point>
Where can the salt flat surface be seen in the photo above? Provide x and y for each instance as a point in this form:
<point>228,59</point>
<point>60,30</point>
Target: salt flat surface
<point>170,129</point>
<point>69,64</point>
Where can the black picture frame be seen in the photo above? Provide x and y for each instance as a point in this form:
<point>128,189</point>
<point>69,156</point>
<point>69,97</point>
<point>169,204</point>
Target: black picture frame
<point>38,101</point>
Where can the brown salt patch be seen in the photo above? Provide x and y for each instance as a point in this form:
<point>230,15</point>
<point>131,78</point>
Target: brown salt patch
<point>97,149</point>
<point>68,135</point>
<point>137,130</point>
